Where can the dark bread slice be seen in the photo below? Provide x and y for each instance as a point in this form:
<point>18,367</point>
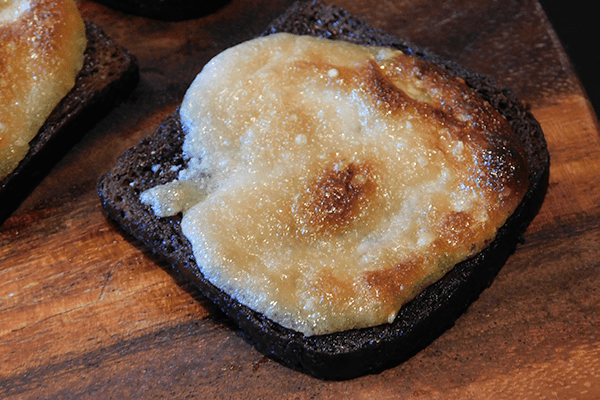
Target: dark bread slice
<point>347,354</point>
<point>109,73</point>
<point>166,10</point>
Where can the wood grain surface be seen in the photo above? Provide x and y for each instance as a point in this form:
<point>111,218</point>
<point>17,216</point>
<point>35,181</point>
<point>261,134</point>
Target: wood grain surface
<point>86,313</point>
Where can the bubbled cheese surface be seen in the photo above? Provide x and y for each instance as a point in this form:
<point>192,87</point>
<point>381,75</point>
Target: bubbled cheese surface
<point>329,183</point>
<point>41,52</point>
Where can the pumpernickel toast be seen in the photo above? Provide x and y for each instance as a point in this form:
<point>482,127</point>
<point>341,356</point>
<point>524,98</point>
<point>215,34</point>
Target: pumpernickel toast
<point>351,353</point>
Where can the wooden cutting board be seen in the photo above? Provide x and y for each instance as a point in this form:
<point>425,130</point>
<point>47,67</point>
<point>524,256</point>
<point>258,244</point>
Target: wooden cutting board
<point>86,313</point>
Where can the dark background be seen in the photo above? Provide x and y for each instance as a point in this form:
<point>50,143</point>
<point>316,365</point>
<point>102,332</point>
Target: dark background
<point>576,24</point>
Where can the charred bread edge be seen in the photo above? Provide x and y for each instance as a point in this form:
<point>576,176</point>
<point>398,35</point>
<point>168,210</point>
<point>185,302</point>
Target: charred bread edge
<point>353,353</point>
<point>108,75</point>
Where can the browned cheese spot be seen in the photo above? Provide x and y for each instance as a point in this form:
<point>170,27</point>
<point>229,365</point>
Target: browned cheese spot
<point>336,197</point>
<point>392,283</point>
<point>458,232</point>
<point>455,228</point>
<point>461,111</point>
<point>334,287</point>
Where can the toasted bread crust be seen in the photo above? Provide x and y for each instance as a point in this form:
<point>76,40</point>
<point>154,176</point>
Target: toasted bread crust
<point>347,354</point>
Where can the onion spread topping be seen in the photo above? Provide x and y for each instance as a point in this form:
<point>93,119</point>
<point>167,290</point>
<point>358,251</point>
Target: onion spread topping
<point>328,183</point>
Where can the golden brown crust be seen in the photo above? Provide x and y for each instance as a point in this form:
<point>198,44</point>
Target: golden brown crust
<point>391,281</point>
<point>41,52</point>
<point>460,110</point>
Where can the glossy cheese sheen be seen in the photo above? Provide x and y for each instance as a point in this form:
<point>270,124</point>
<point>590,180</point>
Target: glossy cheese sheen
<point>41,51</point>
<point>329,183</point>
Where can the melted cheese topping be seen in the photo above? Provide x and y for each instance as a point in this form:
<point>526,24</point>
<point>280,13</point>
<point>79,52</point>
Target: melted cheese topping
<point>41,52</point>
<point>329,183</point>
